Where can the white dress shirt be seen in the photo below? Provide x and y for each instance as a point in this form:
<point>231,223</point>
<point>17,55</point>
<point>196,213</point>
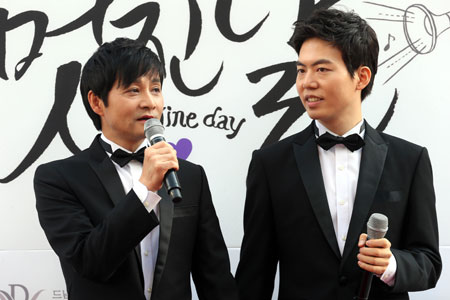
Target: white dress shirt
<point>129,175</point>
<point>340,172</point>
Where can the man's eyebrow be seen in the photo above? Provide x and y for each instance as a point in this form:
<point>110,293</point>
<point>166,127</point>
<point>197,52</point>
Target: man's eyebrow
<point>322,61</point>
<point>154,79</point>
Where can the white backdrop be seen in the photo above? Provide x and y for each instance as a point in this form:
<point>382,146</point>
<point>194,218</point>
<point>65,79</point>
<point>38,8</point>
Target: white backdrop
<point>231,60</point>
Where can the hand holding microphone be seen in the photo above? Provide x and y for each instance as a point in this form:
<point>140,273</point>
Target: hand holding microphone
<point>374,258</point>
<point>162,162</point>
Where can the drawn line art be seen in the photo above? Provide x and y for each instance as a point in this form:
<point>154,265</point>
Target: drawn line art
<point>399,17</point>
<point>403,50</point>
<point>421,29</point>
<point>388,46</point>
<point>429,25</point>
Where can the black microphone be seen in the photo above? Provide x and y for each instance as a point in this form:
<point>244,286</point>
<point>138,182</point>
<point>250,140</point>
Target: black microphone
<point>154,131</point>
<point>377,227</point>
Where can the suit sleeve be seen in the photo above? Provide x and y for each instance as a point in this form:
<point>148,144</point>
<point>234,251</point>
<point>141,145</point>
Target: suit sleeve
<point>258,262</point>
<point>418,262</point>
<point>211,265</point>
<point>93,250</point>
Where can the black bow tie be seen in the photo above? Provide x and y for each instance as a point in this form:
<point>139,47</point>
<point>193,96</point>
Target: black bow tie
<point>122,158</point>
<point>352,142</point>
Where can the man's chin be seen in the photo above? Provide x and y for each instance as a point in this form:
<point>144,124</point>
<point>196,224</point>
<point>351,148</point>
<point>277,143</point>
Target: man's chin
<point>313,115</point>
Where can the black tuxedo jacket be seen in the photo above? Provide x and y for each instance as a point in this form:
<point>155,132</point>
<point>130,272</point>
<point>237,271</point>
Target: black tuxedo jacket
<point>95,229</point>
<point>287,220</point>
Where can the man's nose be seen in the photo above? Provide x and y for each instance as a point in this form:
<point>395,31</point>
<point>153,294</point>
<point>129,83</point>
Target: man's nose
<point>309,81</point>
<point>148,99</point>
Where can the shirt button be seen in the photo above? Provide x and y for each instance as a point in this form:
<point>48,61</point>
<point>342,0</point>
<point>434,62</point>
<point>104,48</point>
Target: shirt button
<point>149,290</point>
<point>146,203</point>
<point>341,168</point>
<point>344,238</point>
<point>146,253</point>
<point>342,202</point>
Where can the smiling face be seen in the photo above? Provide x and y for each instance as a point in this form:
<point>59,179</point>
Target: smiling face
<point>128,108</point>
<point>326,89</point>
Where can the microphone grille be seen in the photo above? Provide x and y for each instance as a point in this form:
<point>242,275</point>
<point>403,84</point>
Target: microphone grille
<point>377,226</point>
<point>153,127</point>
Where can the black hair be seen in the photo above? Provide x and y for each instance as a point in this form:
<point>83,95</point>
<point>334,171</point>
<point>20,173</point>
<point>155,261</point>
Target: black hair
<point>124,60</point>
<point>347,31</point>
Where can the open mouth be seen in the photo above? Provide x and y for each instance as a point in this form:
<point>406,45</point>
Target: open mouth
<point>313,99</point>
<point>145,118</point>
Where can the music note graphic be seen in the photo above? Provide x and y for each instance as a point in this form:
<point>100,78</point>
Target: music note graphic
<point>386,48</point>
<point>421,28</point>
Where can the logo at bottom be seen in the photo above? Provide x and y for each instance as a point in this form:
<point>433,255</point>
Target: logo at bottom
<point>19,292</point>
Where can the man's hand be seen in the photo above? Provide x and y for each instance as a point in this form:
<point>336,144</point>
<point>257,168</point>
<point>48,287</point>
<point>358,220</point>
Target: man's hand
<point>374,254</point>
<point>158,159</point>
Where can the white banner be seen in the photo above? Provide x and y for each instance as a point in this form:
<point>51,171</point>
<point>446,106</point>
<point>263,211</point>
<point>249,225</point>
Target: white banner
<point>229,90</point>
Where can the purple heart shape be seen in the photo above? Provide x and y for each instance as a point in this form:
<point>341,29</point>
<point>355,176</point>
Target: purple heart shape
<point>183,147</point>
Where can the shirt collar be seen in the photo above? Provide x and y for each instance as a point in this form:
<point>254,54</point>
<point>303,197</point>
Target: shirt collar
<point>358,129</point>
<point>114,146</point>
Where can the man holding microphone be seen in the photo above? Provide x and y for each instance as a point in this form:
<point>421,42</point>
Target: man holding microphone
<point>117,233</point>
<point>310,195</point>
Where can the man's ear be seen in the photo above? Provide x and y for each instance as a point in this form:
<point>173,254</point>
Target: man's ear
<point>363,76</point>
<point>96,103</point>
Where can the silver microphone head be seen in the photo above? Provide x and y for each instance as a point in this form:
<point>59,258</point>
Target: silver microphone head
<point>377,226</point>
<point>153,127</point>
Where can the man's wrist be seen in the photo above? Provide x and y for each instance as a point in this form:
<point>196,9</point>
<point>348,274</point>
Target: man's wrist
<point>148,198</point>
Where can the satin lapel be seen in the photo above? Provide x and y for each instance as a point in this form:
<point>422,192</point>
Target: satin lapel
<point>372,164</point>
<point>166,217</point>
<point>307,158</point>
<point>106,172</point>
<point>110,180</point>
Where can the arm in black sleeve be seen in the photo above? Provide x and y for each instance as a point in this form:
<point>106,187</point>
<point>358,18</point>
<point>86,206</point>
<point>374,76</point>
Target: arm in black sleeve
<point>257,266</point>
<point>419,263</point>
<point>94,248</point>
<point>211,265</point>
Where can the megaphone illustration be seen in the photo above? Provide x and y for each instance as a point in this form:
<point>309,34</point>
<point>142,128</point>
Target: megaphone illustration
<point>422,27</point>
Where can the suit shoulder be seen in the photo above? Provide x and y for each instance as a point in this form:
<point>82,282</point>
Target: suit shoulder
<point>400,143</point>
<point>402,151</point>
<point>283,146</point>
<point>65,163</point>
<point>192,176</point>
<point>187,164</point>
<point>188,168</point>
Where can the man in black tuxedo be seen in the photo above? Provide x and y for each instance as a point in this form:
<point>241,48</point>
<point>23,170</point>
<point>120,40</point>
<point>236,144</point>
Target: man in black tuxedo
<point>310,195</point>
<point>117,233</point>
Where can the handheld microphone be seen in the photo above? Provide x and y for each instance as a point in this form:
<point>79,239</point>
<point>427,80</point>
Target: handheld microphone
<point>377,227</point>
<point>154,131</point>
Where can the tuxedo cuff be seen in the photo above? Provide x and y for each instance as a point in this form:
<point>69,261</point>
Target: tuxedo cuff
<point>148,198</point>
<point>388,276</point>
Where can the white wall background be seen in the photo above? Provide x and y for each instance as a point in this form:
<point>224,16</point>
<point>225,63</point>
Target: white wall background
<point>421,114</point>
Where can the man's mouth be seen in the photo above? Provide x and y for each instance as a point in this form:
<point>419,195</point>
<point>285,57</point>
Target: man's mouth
<point>313,99</point>
<point>145,118</point>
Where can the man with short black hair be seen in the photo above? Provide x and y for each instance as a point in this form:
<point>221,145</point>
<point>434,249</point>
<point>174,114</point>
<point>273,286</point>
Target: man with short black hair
<point>310,195</point>
<point>117,233</point>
